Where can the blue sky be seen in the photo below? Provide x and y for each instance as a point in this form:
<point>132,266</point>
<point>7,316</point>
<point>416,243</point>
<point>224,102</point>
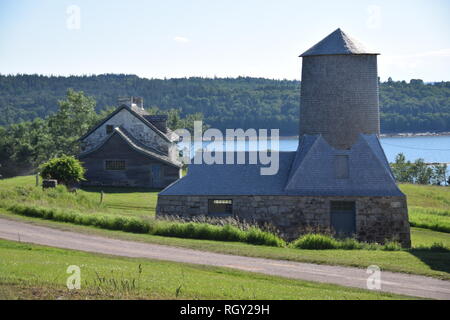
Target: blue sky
<point>260,38</point>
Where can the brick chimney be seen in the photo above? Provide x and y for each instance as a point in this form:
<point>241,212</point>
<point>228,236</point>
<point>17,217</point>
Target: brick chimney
<point>132,102</point>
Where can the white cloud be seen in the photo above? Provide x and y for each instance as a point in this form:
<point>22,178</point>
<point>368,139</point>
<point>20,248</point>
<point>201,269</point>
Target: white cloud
<point>181,39</point>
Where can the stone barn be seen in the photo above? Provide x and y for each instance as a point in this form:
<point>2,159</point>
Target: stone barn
<point>132,148</point>
<point>338,179</point>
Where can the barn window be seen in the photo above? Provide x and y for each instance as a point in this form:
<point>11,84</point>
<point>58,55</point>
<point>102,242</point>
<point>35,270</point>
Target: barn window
<point>220,207</point>
<point>109,128</point>
<point>341,166</point>
<point>115,164</point>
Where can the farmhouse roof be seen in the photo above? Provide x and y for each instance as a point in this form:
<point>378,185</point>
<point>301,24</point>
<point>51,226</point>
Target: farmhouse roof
<point>338,42</point>
<point>134,144</point>
<point>137,112</point>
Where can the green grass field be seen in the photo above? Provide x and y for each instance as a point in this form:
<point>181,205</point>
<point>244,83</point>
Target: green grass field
<point>429,206</point>
<point>37,272</point>
<point>130,202</point>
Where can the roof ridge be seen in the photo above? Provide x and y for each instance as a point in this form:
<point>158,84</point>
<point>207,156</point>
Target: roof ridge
<point>338,42</point>
<point>137,115</point>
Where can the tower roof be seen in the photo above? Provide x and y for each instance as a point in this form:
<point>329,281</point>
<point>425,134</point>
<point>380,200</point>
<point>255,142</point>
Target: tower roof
<point>337,42</point>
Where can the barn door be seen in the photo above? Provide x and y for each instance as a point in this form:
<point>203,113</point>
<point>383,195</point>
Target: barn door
<point>343,218</point>
<point>156,176</point>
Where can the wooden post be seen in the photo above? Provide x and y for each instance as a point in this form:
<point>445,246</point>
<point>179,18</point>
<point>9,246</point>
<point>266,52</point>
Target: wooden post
<point>101,197</point>
<point>37,179</point>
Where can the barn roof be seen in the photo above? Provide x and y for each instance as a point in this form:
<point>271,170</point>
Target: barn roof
<point>232,179</point>
<point>137,112</point>
<point>134,144</point>
<point>309,171</point>
<point>338,42</point>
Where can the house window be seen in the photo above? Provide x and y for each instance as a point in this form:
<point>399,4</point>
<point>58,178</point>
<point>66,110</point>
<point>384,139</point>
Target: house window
<point>115,164</point>
<point>220,207</point>
<point>341,167</point>
<point>109,128</point>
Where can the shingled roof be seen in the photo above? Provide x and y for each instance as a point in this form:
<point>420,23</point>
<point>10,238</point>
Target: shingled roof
<point>307,172</point>
<point>335,43</point>
<point>138,113</point>
<point>134,144</point>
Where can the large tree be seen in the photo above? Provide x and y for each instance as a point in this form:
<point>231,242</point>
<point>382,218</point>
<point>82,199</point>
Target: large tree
<point>75,116</point>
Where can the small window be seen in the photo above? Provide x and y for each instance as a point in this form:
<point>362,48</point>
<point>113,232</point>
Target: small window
<point>341,167</point>
<point>109,128</point>
<point>115,164</point>
<point>220,207</point>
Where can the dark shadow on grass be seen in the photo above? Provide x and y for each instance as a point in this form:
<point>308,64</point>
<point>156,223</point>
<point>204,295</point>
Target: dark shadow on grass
<point>436,260</point>
<point>119,189</point>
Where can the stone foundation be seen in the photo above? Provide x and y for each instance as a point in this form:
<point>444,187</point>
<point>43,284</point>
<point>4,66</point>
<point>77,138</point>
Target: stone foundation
<point>378,219</point>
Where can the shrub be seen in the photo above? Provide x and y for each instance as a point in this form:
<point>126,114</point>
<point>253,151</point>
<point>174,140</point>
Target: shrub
<point>192,230</point>
<point>259,237</point>
<point>315,242</point>
<point>66,169</point>
<point>391,246</point>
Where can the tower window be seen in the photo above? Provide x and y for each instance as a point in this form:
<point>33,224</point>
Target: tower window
<point>341,166</point>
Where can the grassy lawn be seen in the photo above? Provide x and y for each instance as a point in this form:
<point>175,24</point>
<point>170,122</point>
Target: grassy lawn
<point>429,206</point>
<point>142,203</point>
<point>136,201</point>
<point>37,272</point>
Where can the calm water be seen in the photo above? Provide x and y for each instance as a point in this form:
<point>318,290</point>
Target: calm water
<point>431,149</point>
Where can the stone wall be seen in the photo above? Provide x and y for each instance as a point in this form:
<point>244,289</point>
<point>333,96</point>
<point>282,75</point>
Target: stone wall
<point>377,218</point>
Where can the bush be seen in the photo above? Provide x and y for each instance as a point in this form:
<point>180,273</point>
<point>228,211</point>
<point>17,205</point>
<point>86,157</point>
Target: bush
<point>66,169</point>
<point>315,242</point>
<point>391,246</point>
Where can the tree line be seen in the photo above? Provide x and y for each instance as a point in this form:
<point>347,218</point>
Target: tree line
<point>419,172</point>
<point>242,102</point>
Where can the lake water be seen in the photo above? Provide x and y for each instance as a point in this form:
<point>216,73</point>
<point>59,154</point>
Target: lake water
<point>429,148</point>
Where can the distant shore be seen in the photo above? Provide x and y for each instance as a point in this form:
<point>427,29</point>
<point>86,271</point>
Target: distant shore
<point>419,134</point>
<point>383,135</point>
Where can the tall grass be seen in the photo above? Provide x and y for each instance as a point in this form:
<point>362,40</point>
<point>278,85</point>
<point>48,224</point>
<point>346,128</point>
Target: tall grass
<point>433,219</point>
<point>313,241</point>
<point>205,231</point>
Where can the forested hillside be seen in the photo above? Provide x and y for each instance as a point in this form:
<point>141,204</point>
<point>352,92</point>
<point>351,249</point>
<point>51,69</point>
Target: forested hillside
<point>225,103</point>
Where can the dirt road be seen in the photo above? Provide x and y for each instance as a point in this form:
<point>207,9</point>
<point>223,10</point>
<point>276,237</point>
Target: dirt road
<point>399,283</point>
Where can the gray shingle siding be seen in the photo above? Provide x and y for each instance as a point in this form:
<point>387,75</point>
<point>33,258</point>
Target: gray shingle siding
<point>339,98</point>
<point>138,171</point>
